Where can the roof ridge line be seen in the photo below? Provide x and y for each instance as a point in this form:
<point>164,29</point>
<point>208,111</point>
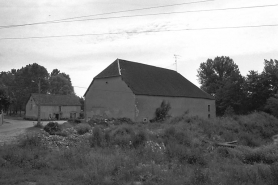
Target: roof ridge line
<point>119,67</point>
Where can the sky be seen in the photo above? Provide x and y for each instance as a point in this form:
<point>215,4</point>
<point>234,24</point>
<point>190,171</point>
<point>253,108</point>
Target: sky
<point>144,39</point>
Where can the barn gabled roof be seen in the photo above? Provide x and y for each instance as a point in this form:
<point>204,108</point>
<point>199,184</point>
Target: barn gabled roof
<point>144,79</point>
<point>111,71</point>
<point>56,100</point>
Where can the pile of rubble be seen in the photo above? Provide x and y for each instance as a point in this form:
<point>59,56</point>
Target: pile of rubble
<point>66,139</point>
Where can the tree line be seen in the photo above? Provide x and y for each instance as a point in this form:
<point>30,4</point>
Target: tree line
<point>17,85</point>
<point>237,94</point>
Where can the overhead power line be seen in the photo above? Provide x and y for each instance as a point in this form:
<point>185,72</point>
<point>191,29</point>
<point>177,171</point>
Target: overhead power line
<point>92,15</point>
<point>167,13</point>
<point>140,15</point>
<point>139,32</point>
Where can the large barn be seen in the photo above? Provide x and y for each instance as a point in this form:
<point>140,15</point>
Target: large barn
<point>134,90</point>
<point>53,107</point>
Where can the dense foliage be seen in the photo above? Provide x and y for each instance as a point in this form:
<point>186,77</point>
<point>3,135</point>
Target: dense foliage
<point>17,85</point>
<point>162,112</point>
<point>233,92</point>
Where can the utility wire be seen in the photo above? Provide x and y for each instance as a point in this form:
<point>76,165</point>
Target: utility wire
<point>139,32</point>
<point>141,15</point>
<point>167,13</point>
<point>65,19</point>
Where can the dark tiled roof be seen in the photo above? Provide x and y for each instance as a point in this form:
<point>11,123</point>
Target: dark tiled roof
<point>111,70</point>
<point>58,100</point>
<point>149,80</point>
<point>144,79</point>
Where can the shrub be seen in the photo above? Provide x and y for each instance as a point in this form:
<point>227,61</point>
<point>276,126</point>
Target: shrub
<point>223,152</point>
<point>171,135</point>
<point>82,128</point>
<point>196,157</point>
<point>249,140</point>
<point>98,138</point>
<point>161,113</point>
<point>52,128</point>
<point>123,136</point>
<point>139,139</point>
<point>265,154</point>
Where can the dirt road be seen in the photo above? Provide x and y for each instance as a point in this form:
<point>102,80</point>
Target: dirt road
<point>13,128</point>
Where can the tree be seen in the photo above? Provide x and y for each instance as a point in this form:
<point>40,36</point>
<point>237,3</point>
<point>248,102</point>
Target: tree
<point>260,87</point>
<point>272,106</point>
<point>4,98</point>
<point>59,84</point>
<point>54,72</point>
<point>270,73</point>
<point>221,78</point>
<point>20,83</point>
<point>26,81</point>
<point>8,85</point>
<point>257,91</point>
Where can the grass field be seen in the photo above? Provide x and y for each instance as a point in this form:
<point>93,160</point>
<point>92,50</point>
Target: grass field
<point>177,151</point>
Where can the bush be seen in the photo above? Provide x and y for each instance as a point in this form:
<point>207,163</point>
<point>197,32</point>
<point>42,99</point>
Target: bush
<point>195,156</point>
<point>123,136</point>
<point>170,135</point>
<point>97,139</point>
<point>82,128</point>
<point>223,152</point>
<point>139,139</point>
<point>249,140</point>
<point>265,154</point>
<point>52,128</point>
<point>161,113</point>
<point>261,125</point>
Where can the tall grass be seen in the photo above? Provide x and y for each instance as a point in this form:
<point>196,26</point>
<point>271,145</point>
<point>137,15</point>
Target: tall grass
<point>170,152</point>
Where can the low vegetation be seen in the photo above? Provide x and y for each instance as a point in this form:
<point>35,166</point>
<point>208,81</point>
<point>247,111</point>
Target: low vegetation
<point>176,151</point>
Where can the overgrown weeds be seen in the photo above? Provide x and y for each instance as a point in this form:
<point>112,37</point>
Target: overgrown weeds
<point>82,128</point>
<point>171,152</point>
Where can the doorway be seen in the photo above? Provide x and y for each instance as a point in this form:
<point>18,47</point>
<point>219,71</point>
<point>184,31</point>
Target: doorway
<point>57,116</point>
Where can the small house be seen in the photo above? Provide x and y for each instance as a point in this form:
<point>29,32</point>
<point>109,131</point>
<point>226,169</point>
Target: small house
<point>53,107</point>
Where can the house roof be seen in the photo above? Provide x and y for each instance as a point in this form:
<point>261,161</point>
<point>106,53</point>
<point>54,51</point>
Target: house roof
<point>144,79</point>
<point>57,100</point>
